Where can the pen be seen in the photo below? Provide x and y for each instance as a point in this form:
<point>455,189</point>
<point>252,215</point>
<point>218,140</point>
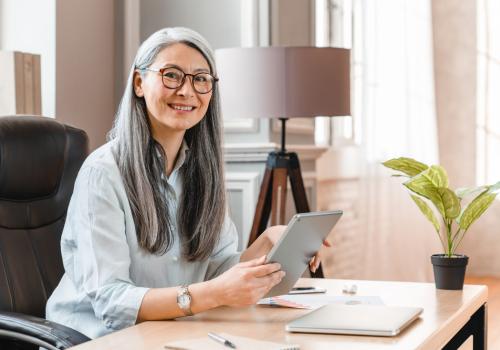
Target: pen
<point>307,290</point>
<point>221,340</point>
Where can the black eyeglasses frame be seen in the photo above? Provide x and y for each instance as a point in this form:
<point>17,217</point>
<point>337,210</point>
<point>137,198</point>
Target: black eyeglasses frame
<point>162,70</point>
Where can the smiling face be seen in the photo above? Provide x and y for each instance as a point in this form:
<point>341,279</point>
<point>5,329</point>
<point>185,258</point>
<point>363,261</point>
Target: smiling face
<point>173,111</point>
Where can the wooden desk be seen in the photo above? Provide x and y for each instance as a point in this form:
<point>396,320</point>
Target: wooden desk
<point>448,319</point>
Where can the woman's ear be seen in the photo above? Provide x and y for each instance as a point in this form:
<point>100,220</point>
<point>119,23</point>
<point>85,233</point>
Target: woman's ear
<point>138,84</point>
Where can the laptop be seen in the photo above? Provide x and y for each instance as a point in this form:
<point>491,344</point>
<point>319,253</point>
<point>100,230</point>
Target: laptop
<point>378,320</point>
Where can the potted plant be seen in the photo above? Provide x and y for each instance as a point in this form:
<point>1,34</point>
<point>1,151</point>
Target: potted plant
<point>429,185</point>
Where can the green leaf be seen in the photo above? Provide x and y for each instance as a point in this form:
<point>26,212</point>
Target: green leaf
<point>422,186</point>
<point>494,188</point>
<point>450,202</point>
<point>426,210</point>
<point>475,209</point>
<point>464,192</point>
<point>436,176</point>
<point>408,166</point>
<point>427,184</point>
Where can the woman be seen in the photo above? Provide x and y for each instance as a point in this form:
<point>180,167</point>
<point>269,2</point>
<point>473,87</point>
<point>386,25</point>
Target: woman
<point>147,235</point>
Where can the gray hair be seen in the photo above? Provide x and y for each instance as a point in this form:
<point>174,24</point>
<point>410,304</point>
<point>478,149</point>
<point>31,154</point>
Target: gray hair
<point>202,205</point>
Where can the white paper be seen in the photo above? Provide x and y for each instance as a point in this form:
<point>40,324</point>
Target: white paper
<point>314,301</point>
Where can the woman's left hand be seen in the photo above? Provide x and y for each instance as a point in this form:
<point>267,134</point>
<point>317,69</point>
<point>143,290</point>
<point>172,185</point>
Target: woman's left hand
<point>316,260</point>
<point>274,233</point>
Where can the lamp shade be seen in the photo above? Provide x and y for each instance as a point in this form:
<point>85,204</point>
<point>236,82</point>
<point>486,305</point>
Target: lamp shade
<point>284,82</point>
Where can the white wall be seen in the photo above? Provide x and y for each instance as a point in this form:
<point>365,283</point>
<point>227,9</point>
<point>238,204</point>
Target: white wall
<point>30,26</point>
<point>1,21</point>
<point>218,21</point>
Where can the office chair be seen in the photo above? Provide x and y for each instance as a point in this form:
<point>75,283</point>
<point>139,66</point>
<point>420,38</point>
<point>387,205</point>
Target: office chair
<point>39,161</point>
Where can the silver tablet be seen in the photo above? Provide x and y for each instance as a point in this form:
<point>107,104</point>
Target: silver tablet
<point>301,240</point>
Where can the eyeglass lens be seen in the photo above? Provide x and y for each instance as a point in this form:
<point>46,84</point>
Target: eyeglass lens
<point>174,78</point>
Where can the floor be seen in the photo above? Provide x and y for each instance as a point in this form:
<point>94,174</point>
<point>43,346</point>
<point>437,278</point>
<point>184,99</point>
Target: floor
<point>493,307</point>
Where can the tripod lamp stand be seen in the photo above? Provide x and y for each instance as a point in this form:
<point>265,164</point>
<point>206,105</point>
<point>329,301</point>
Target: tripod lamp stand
<point>283,82</point>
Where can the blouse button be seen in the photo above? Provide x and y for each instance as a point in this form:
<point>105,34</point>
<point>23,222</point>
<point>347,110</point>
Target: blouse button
<point>175,258</point>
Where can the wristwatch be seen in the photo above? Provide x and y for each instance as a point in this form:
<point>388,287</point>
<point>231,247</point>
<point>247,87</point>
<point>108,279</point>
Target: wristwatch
<point>184,300</point>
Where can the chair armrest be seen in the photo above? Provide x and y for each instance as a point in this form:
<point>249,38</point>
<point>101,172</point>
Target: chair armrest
<point>38,331</point>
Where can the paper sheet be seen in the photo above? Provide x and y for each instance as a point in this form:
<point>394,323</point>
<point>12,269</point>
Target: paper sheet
<point>314,301</point>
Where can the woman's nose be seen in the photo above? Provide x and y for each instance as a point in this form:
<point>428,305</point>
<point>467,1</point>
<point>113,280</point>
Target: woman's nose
<point>186,89</point>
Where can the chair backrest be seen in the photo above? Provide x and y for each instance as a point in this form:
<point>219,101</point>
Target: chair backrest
<point>39,161</point>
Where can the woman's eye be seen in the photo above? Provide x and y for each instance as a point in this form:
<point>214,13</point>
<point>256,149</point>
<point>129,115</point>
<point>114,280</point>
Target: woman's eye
<point>172,75</point>
<point>201,78</point>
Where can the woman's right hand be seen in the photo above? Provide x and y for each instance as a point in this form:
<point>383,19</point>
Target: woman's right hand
<point>247,282</point>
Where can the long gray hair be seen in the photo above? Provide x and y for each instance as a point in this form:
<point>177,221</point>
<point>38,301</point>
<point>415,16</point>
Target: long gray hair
<point>202,205</point>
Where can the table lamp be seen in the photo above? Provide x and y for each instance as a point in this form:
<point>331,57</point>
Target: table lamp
<point>282,82</point>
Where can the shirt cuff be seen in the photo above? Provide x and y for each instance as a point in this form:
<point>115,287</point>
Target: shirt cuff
<point>129,305</point>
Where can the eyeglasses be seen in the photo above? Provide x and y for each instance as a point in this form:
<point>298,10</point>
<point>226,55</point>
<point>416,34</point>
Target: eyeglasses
<point>174,78</point>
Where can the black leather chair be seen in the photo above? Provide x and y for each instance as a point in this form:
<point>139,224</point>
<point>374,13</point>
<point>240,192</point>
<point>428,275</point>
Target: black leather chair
<point>39,161</point>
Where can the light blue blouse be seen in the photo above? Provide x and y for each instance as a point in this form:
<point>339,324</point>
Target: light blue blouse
<point>106,272</point>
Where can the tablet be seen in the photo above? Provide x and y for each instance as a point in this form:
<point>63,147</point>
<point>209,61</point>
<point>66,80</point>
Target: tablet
<point>301,240</point>
<point>378,320</point>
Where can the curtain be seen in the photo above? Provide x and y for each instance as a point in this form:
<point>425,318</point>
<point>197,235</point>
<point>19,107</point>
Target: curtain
<point>387,238</point>
<point>467,37</point>
<point>397,118</point>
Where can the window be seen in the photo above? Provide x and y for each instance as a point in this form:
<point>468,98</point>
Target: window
<point>488,90</point>
<point>334,27</point>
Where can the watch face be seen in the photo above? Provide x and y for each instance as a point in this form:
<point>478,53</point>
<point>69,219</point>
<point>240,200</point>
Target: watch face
<point>184,300</point>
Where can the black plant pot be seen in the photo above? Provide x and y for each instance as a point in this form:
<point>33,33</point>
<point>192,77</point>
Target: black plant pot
<point>449,273</point>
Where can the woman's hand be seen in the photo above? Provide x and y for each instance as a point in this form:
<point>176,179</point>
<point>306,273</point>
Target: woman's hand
<point>273,234</point>
<point>263,244</point>
<point>247,282</point>
<point>316,259</point>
